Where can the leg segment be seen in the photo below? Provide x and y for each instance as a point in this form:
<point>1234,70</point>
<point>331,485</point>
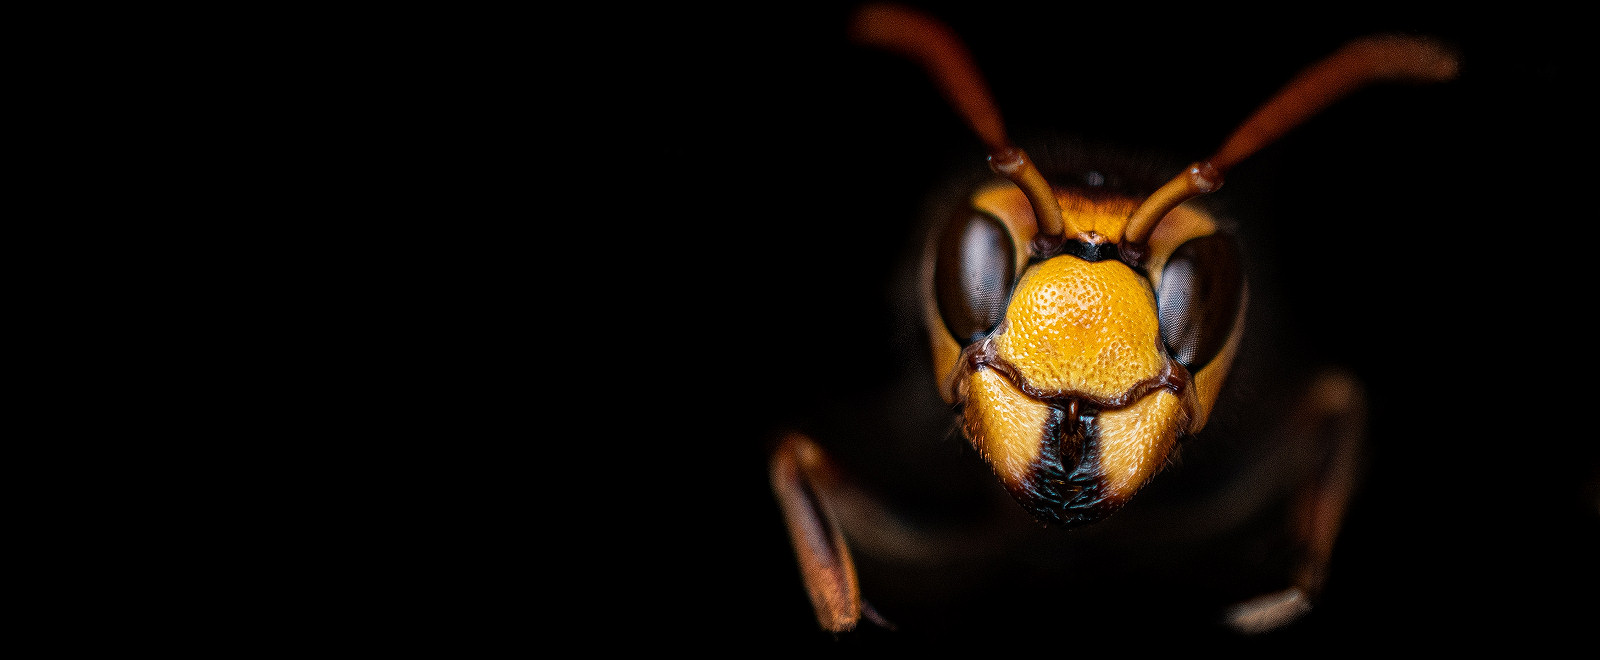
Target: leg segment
<point>800,472</point>
<point>1333,416</point>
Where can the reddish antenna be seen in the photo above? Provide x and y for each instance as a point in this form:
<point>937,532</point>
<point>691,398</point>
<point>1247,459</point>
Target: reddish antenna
<point>929,43</point>
<point>1355,65</point>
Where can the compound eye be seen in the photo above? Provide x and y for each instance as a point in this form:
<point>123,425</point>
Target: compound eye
<point>973,272</point>
<point>1202,287</point>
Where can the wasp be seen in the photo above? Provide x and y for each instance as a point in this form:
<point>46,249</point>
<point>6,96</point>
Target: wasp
<point>1090,328</point>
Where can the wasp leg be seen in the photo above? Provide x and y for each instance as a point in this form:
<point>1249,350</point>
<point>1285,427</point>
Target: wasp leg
<point>831,517</point>
<point>801,473</point>
<point>1333,415</point>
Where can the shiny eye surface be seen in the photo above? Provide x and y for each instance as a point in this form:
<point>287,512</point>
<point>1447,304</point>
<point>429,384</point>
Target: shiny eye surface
<point>973,273</point>
<point>1202,287</point>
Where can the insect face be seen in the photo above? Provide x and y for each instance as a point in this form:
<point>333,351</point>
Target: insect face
<point>1078,373</point>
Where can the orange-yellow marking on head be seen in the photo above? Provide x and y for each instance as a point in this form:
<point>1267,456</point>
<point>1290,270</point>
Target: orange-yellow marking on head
<point>1080,327</point>
<point>1105,216</point>
<point>1135,441</point>
<point>1006,425</point>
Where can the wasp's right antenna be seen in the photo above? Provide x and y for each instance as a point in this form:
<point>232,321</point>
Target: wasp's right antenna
<point>932,45</point>
<point>1356,65</point>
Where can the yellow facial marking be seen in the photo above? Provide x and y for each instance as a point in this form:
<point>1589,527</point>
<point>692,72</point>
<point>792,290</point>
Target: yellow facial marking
<point>1106,216</point>
<point>1135,441</point>
<point>1080,327</point>
<point>1004,424</point>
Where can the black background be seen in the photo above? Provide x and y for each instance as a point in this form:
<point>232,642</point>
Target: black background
<point>765,175</point>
